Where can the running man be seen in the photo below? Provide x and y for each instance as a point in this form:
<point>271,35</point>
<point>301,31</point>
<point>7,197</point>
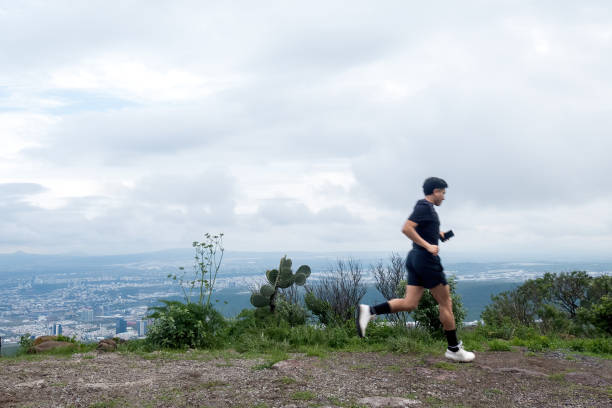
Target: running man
<point>425,270</point>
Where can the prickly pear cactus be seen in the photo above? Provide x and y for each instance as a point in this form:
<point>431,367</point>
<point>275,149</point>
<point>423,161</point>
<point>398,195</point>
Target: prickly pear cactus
<point>282,278</point>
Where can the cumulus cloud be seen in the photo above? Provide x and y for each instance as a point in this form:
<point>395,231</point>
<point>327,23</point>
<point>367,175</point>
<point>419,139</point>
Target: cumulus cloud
<point>304,126</point>
<point>19,190</point>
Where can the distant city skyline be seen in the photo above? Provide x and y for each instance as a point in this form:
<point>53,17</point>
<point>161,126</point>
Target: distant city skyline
<point>99,297</point>
<point>305,126</point>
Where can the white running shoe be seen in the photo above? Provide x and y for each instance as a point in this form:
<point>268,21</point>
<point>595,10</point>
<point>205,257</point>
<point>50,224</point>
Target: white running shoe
<point>460,355</point>
<point>363,317</point>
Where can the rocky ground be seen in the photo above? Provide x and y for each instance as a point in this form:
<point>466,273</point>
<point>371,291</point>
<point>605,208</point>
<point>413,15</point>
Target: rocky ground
<point>495,379</point>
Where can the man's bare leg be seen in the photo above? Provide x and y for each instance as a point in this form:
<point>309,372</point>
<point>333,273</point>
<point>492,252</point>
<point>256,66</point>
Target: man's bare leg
<point>409,302</point>
<point>455,349</point>
<point>445,304</point>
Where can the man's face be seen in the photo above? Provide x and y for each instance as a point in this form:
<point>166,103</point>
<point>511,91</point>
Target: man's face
<point>438,195</point>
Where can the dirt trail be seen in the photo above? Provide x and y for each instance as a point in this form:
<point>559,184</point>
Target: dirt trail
<point>495,379</point>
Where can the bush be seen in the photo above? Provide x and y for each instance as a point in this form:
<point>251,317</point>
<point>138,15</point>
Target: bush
<point>499,345</point>
<point>597,318</point>
<point>341,290</point>
<point>292,313</point>
<point>554,320</point>
<point>178,325</point>
<point>598,346</point>
<point>412,341</point>
<point>390,283</point>
<point>25,343</point>
<point>567,303</point>
<point>427,315</point>
<point>569,290</point>
<point>539,343</point>
<point>515,307</point>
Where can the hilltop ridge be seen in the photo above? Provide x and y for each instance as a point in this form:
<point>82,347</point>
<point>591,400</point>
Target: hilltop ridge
<point>339,379</point>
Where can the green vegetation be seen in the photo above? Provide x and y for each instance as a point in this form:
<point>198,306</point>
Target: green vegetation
<point>283,278</point>
<point>569,311</point>
<point>572,303</point>
<point>499,345</point>
<point>427,314</point>
<point>303,395</point>
<point>446,366</point>
<point>183,325</point>
<point>335,296</point>
<point>207,262</point>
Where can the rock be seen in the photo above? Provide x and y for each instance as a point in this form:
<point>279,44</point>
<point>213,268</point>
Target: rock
<point>49,345</point>
<point>107,345</point>
<point>288,365</point>
<point>391,402</point>
<point>522,371</point>
<point>31,384</point>
<point>42,339</point>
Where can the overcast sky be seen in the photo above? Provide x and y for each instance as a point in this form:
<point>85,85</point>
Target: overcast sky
<point>132,126</point>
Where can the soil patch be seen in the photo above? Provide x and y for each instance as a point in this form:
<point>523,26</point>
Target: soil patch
<point>500,379</point>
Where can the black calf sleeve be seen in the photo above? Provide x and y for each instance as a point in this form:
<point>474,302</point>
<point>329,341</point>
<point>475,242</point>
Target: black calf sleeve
<point>451,338</point>
<point>383,308</point>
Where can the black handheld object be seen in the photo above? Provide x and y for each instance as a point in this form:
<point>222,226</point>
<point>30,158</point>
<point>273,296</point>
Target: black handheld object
<point>447,235</point>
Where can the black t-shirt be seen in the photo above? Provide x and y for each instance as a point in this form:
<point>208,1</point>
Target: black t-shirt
<point>424,214</point>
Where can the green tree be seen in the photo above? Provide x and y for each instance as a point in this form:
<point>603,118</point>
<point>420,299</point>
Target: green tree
<point>568,290</point>
<point>595,312</point>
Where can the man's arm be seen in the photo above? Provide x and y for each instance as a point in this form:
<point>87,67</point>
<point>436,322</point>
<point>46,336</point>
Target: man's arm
<point>409,230</point>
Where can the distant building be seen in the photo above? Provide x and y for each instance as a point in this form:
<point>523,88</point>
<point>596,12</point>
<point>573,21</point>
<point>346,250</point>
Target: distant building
<point>121,326</point>
<point>55,330</point>
<point>87,315</point>
<point>142,328</point>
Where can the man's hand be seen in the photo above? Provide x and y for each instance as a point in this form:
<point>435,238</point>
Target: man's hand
<point>433,249</point>
<point>441,235</point>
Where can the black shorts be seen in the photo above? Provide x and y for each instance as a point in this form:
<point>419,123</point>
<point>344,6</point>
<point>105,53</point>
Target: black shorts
<point>424,269</point>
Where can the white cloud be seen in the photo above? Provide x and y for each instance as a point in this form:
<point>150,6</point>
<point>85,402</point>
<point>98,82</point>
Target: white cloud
<point>126,78</point>
<point>304,126</point>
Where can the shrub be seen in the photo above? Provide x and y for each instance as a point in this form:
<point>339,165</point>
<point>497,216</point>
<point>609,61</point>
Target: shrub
<point>390,283</point>
<point>596,318</point>
<point>292,313</point>
<point>539,343</point>
<point>499,345</point>
<point>25,342</point>
<point>337,337</point>
<point>554,320</point>
<point>567,303</point>
<point>427,315</point>
<point>598,346</point>
<point>516,307</point>
<point>569,290</point>
<point>320,308</point>
<point>340,290</point>
<point>180,325</point>
<point>207,262</point>
<point>412,341</point>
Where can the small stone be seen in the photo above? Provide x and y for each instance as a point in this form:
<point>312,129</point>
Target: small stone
<point>288,365</point>
<point>388,402</point>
